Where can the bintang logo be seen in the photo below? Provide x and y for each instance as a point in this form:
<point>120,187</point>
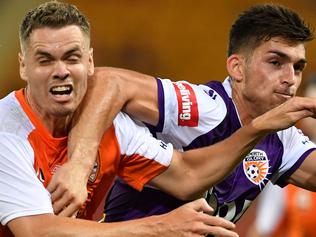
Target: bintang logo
<point>187,108</point>
<point>256,166</point>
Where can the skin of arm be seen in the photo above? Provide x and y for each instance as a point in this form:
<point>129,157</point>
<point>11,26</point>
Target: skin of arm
<point>196,169</point>
<point>188,220</point>
<point>82,151</point>
<point>305,175</point>
<point>204,167</point>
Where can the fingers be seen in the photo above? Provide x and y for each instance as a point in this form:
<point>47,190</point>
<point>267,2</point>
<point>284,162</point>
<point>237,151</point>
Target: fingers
<point>68,190</point>
<point>58,193</point>
<point>217,226</point>
<point>200,205</point>
<point>61,203</point>
<point>220,232</point>
<point>71,210</point>
<point>192,218</point>
<point>52,186</point>
<point>218,221</point>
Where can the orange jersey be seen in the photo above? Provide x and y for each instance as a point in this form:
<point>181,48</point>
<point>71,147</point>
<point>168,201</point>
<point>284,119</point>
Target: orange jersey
<point>30,156</point>
<point>300,209</point>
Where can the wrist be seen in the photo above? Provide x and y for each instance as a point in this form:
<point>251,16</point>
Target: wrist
<point>83,158</point>
<point>260,126</point>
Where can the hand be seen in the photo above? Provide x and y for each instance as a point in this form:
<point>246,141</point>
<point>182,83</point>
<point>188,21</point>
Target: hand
<point>194,219</point>
<point>68,188</point>
<point>286,114</point>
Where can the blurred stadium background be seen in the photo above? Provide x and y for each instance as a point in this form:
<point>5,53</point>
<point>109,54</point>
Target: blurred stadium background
<point>178,39</point>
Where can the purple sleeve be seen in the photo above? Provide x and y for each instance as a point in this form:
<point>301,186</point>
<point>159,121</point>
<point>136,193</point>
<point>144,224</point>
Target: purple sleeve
<point>161,107</point>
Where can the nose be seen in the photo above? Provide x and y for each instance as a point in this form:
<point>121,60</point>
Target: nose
<point>60,71</point>
<point>289,76</point>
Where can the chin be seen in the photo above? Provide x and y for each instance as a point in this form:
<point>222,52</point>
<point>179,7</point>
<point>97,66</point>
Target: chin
<point>63,112</point>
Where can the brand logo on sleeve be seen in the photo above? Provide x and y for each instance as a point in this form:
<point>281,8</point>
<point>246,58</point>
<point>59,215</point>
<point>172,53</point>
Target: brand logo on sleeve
<point>256,166</point>
<point>188,114</point>
<point>95,170</point>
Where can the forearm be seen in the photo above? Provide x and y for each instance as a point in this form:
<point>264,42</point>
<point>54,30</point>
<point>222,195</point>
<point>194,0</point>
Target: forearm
<point>109,91</point>
<point>221,158</point>
<point>95,116</point>
<point>197,170</point>
<point>54,226</point>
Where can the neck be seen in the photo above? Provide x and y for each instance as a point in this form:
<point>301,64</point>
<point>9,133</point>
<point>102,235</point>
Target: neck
<point>244,107</point>
<point>57,126</point>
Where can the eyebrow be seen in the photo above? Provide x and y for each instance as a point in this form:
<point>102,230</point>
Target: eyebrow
<point>71,51</point>
<point>40,52</point>
<point>43,53</point>
<point>285,56</point>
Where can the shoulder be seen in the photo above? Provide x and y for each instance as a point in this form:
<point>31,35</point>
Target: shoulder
<point>13,119</point>
<point>194,101</point>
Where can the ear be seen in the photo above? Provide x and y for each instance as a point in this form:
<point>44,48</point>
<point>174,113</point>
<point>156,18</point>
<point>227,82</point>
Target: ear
<point>22,67</point>
<point>91,63</point>
<point>235,67</point>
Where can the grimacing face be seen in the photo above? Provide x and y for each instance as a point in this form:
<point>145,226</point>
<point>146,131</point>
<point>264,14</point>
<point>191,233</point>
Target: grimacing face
<point>56,64</point>
<point>272,74</point>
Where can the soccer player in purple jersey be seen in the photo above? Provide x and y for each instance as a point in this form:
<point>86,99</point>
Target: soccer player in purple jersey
<point>265,61</point>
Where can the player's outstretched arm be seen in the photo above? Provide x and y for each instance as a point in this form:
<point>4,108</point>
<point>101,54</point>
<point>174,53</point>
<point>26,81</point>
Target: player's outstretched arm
<point>194,171</point>
<point>188,220</point>
<point>109,90</point>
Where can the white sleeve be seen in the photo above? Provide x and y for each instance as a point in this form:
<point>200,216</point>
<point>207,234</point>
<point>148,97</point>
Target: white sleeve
<point>21,193</point>
<point>296,147</point>
<point>270,209</point>
<point>135,138</point>
<point>187,111</point>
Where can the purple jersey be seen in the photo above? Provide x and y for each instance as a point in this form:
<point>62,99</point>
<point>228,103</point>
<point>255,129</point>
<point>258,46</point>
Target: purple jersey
<point>193,116</point>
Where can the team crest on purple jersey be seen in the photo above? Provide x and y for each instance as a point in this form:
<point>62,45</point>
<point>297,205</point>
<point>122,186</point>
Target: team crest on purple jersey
<point>256,167</point>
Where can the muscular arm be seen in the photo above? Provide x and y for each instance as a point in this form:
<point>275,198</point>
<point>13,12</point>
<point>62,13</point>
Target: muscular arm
<point>305,175</point>
<point>188,220</point>
<point>113,89</point>
<point>137,94</point>
<point>192,172</point>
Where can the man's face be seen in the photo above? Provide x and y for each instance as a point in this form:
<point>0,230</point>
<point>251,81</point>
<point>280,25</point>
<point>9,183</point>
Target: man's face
<point>56,65</point>
<point>272,74</point>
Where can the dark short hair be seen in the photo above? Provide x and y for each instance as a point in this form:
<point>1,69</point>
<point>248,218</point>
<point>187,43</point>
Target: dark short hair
<point>53,14</point>
<point>262,22</point>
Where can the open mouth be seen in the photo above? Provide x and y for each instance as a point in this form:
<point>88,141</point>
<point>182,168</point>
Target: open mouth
<point>61,90</point>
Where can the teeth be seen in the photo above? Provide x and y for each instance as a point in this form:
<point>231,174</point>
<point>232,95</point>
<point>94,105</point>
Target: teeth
<point>61,88</point>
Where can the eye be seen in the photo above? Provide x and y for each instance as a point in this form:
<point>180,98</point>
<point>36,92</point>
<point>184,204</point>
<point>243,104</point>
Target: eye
<point>299,67</point>
<point>275,63</point>
<point>73,59</point>
<point>44,61</point>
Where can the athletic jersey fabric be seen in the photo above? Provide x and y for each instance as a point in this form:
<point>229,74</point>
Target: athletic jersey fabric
<point>194,116</point>
<point>30,155</point>
<point>286,212</point>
